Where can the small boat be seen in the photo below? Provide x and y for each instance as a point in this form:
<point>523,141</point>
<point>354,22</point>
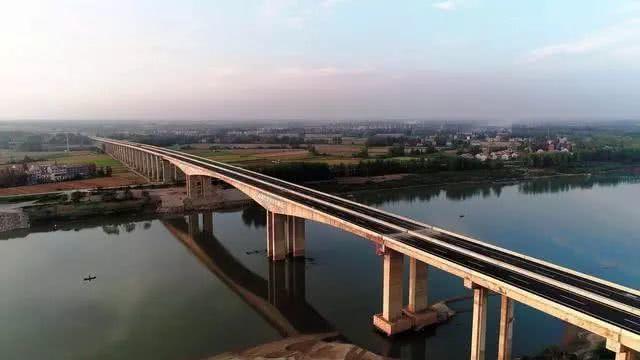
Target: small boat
<point>461,216</point>
<point>89,278</point>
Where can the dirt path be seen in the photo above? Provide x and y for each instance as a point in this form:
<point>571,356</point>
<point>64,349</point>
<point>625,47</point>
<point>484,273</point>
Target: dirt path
<point>113,181</point>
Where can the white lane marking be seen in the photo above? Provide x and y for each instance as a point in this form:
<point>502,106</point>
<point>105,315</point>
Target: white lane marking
<point>440,251</point>
<point>475,263</point>
<point>572,299</point>
<point>519,280</point>
<point>633,322</point>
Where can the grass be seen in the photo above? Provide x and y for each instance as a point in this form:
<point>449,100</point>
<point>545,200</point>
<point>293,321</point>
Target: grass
<point>39,198</point>
<point>65,158</point>
<point>6,156</point>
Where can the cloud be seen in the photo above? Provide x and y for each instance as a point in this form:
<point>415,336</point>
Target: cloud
<point>612,39</point>
<point>294,14</point>
<point>448,5</point>
<point>330,3</point>
<point>309,72</point>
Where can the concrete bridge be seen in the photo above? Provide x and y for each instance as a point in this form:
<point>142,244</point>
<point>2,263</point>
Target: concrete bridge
<point>604,308</point>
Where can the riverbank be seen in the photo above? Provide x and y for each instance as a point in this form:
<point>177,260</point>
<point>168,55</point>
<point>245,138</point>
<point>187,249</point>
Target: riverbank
<point>21,212</point>
<point>506,176</point>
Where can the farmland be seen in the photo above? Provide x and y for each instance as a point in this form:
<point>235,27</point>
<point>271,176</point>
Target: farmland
<point>121,176</point>
<point>263,155</point>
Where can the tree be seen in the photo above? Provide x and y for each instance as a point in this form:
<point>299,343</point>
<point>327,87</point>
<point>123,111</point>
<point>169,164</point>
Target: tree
<point>76,196</point>
<point>396,150</point>
<point>363,153</point>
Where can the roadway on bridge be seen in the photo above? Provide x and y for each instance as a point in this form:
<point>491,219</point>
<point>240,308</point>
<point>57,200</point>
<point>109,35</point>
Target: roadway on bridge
<point>615,294</point>
<point>397,227</point>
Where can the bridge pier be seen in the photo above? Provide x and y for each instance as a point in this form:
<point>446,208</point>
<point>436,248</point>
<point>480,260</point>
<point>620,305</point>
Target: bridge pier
<point>135,160</point>
<point>145,165</point>
<point>156,168</point>
<point>194,186</point>
<point>276,236</point>
<point>506,328</point>
<point>200,188</point>
<point>150,169</point>
<point>295,236</point>
<point>179,175</point>
<point>168,173</point>
<point>479,321</point>
<point>622,352</point>
<point>417,309</point>
<point>285,236</point>
<point>142,163</point>
<point>392,320</point>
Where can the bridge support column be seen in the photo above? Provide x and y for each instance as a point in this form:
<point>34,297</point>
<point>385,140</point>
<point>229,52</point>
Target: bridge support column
<point>391,320</point>
<point>168,173</point>
<point>506,329</point>
<point>295,236</point>
<point>145,165</point>
<point>150,167</point>
<point>159,169</point>
<point>622,352</point>
<point>134,160</point>
<point>276,236</point>
<point>479,322</point>
<point>209,189</point>
<point>418,310</point>
<point>155,168</point>
<point>194,186</point>
<point>140,162</point>
<point>418,277</point>
<point>179,175</point>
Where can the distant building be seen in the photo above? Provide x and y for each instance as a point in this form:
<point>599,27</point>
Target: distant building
<point>481,157</point>
<point>56,173</point>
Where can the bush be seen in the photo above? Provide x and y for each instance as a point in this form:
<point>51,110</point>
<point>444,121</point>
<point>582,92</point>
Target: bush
<point>76,196</point>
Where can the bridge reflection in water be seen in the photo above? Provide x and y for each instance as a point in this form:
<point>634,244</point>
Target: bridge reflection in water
<point>281,298</point>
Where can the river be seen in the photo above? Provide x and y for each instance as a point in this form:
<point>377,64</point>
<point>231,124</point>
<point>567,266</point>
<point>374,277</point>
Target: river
<point>166,290</point>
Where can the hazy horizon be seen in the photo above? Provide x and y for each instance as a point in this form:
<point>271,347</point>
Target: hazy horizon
<point>324,60</point>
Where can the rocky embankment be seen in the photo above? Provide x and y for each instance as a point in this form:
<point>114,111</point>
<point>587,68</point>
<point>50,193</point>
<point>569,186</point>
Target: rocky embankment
<point>100,202</point>
<point>316,346</point>
<point>13,219</point>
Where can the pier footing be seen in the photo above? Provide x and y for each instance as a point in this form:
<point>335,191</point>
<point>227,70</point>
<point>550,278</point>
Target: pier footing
<point>399,325</point>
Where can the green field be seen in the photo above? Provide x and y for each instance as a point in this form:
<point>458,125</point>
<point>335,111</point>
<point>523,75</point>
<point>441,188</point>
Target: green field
<point>64,158</point>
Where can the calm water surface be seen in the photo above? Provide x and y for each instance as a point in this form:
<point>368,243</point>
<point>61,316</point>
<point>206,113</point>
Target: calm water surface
<point>167,289</point>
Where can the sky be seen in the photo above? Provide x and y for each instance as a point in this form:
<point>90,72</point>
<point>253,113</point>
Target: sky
<point>322,59</point>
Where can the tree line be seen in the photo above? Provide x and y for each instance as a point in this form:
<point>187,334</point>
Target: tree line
<point>309,171</point>
<point>566,159</point>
